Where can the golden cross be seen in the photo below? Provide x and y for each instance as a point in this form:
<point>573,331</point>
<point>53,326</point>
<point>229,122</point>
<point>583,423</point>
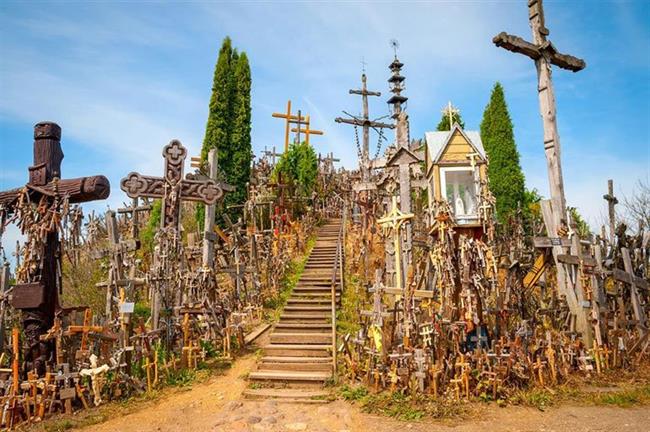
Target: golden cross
<point>394,220</point>
<point>307,131</point>
<point>450,110</point>
<point>288,118</point>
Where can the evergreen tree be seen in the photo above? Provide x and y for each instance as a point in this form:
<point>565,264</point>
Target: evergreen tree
<point>504,170</point>
<point>228,128</point>
<point>299,168</point>
<point>240,139</point>
<point>444,121</point>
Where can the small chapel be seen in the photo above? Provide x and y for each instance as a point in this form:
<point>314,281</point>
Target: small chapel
<point>456,170</point>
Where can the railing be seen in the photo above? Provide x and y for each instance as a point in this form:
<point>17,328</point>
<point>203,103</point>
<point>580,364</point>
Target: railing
<point>339,269</point>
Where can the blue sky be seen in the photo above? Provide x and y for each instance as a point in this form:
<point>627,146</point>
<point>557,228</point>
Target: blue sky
<point>122,79</point>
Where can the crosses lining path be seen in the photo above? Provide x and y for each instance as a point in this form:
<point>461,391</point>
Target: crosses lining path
<point>299,355</point>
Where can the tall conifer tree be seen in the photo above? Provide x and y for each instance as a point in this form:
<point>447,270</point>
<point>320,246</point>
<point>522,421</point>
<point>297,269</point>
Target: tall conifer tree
<point>504,170</point>
<point>228,128</point>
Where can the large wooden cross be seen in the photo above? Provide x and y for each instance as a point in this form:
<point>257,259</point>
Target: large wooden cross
<point>172,188</point>
<point>288,118</point>
<point>306,130</point>
<point>544,54</point>
<point>365,122</point>
<point>394,220</point>
<point>38,297</point>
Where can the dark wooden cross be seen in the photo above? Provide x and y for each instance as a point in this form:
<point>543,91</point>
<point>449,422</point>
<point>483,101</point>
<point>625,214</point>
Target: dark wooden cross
<point>365,122</point>
<point>611,203</point>
<point>133,210</point>
<point>38,297</point>
<point>544,54</point>
<point>172,187</point>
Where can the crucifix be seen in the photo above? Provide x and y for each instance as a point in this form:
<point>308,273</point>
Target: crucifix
<point>172,188</point>
<point>365,122</point>
<point>37,290</point>
<point>288,118</point>
<point>307,130</point>
<point>611,203</point>
<point>544,53</point>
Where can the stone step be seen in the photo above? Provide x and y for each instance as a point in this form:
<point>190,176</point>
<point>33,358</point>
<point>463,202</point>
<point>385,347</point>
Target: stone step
<point>285,376</point>
<point>315,295</point>
<point>301,338</point>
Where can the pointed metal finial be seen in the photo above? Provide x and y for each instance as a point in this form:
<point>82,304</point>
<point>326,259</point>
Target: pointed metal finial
<point>394,44</point>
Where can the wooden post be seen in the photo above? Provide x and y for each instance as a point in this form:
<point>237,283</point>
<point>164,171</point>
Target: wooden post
<point>611,210</point>
<point>544,54</point>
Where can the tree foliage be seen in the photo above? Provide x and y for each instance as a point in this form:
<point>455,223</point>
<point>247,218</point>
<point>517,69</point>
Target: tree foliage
<point>444,125</point>
<point>298,168</point>
<point>504,171</point>
<point>228,127</point>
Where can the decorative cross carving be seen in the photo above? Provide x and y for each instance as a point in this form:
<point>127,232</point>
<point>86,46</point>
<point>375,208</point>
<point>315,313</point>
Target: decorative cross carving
<point>172,188</point>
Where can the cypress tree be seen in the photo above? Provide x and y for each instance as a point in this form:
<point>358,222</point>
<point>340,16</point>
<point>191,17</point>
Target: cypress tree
<point>228,127</point>
<point>444,125</point>
<point>504,171</point>
<point>239,174</point>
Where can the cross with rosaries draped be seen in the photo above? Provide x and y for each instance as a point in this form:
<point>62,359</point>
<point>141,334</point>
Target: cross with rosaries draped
<point>288,118</point>
<point>394,220</point>
<point>172,187</point>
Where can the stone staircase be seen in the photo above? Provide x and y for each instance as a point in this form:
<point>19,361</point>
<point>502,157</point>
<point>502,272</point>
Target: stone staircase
<point>298,360</point>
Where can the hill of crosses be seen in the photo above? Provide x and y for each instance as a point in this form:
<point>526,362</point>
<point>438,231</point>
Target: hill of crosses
<point>411,274</point>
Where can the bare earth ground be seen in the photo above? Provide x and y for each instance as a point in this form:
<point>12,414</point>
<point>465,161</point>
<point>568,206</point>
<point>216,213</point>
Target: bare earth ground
<point>216,405</point>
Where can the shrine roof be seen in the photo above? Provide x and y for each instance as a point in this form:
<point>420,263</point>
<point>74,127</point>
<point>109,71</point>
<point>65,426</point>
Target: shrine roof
<point>437,141</point>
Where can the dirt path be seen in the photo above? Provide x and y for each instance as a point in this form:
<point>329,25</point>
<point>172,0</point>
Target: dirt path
<point>216,406</point>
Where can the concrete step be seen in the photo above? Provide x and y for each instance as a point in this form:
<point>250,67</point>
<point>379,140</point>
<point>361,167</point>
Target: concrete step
<point>285,376</point>
<point>300,338</point>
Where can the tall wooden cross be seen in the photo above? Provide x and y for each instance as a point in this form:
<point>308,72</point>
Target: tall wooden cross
<point>134,209</point>
<point>394,220</point>
<point>288,118</point>
<point>544,54</point>
<point>307,130</point>
<point>611,203</point>
<point>172,188</point>
<point>365,122</point>
<point>38,297</point>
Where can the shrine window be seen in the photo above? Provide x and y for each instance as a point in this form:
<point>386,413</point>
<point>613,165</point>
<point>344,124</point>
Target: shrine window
<point>459,188</point>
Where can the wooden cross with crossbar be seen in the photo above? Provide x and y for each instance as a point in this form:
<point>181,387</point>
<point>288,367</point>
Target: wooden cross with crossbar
<point>288,118</point>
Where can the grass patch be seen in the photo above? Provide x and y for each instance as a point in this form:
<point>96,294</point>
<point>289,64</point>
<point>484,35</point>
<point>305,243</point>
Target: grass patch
<point>275,304</point>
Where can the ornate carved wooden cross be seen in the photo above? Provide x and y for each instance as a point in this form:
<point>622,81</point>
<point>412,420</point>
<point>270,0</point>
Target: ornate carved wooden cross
<point>37,296</point>
<point>172,188</point>
<point>544,54</point>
